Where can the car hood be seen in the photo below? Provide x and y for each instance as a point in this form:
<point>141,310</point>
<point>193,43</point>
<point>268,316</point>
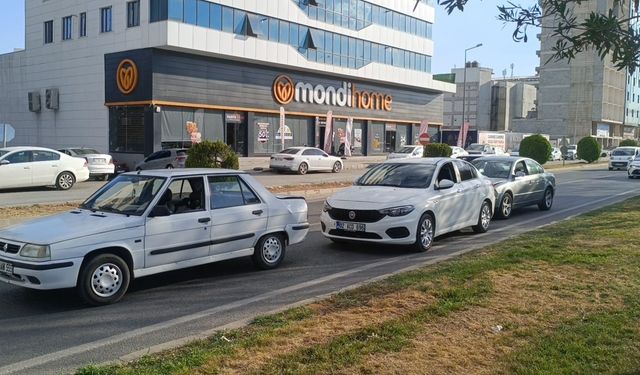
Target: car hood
<point>376,195</point>
<point>67,226</point>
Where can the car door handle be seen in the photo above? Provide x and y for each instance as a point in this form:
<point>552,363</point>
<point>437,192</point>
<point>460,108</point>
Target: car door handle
<point>459,190</point>
<point>204,220</point>
<point>257,212</point>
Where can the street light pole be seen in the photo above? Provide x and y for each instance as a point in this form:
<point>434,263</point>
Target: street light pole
<point>464,87</point>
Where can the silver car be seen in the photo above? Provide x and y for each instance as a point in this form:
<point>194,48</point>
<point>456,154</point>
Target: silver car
<point>164,159</point>
<point>518,182</point>
<point>304,159</point>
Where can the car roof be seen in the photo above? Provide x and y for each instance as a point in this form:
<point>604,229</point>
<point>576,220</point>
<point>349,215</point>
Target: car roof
<point>427,161</point>
<point>501,158</point>
<point>626,148</point>
<point>23,148</point>
<point>184,172</point>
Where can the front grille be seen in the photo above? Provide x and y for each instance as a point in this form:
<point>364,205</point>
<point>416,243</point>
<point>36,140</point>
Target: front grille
<point>618,164</point>
<point>361,216</point>
<point>9,248</point>
<point>637,171</point>
<point>399,232</point>
<point>364,235</point>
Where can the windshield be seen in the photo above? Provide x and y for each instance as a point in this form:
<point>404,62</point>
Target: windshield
<point>405,150</point>
<point>85,151</point>
<point>290,151</point>
<point>475,147</point>
<point>623,152</point>
<point>3,153</point>
<point>572,147</point>
<point>126,194</point>
<point>413,176</point>
<point>493,168</point>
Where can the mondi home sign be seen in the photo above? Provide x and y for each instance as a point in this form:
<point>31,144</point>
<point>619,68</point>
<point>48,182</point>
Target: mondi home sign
<point>285,91</point>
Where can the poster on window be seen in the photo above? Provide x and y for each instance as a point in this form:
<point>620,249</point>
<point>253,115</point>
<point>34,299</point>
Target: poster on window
<point>263,132</point>
<point>194,132</point>
<point>357,138</point>
<point>286,130</point>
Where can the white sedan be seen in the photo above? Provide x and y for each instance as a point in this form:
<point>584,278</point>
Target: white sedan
<point>305,159</point>
<point>150,222</point>
<point>458,152</point>
<point>100,165</point>
<point>37,166</point>
<point>407,152</point>
<point>410,202</point>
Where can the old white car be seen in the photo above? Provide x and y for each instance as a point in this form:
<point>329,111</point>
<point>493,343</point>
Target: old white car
<point>305,159</point>
<point>148,222</point>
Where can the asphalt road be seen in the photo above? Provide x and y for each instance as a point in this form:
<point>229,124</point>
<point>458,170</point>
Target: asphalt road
<point>51,332</point>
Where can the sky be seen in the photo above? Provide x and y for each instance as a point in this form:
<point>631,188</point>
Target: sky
<point>451,34</point>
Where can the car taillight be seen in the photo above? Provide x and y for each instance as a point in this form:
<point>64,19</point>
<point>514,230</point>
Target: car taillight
<point>86,163</point>
<point>110,161</point>
<point>288,158</point>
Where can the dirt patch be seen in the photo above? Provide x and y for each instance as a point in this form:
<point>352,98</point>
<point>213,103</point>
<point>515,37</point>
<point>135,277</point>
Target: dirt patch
<point>304,187</point>
<point>36,210</point>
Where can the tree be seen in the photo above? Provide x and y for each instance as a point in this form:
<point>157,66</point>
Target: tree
<point>536,147</point>
<point>607,33</point>
<point>589,149</point>
<point>628,143</point>
<point>437,150</point>
<point>209,154</point>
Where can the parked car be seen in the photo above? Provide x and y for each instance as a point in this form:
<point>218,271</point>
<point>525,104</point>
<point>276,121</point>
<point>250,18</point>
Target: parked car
<point>572,152</point>
<point>515,151</point>
<point>410,202</point>
<point>38,166</point>
<point>169,159</point>
<point>458,152</point>
<point>480,149</point>
<point>148,222</point>
<point>633,170</point>
<point>622,156</point>
<point>304,159</point>
<point>101,166</point>
<point>500,151</point>
<point>605,153</point>
<point>407,152</point>
<point>556,154</point>
<point>519,182</point>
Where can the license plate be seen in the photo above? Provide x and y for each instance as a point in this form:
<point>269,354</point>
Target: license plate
<point>6,268</point>
<point>99,161</point>
<point>351,227</point>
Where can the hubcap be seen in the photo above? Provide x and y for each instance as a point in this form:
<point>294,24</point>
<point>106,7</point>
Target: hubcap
<point>337,167</point>
<point>426,233</point>
<point>303,168</point>
<point>485,216</point>
<point>271,250</point>
<point>65,181</point>
<point>548,198</point>
<point>506,205</point>
<point>106,280</point>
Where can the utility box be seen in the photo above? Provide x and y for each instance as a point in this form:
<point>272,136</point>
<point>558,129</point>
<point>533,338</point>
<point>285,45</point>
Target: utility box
<point>34,101</point>
<point>51,99</point>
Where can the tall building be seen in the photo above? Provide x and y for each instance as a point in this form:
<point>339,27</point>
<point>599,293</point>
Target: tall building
<point>133,77</point>
<point>476,96</point>
<point>632,99</point>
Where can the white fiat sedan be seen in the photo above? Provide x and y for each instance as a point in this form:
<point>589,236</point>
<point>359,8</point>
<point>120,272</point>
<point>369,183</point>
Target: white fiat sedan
<point>305,159</point>
<point>149,222</point>
<point>410,202</point>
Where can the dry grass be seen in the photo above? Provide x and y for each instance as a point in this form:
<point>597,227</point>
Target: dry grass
<point>307,187</point>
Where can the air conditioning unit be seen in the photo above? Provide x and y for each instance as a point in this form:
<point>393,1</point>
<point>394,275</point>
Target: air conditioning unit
<point>34,101</point>
<point>51,99</point>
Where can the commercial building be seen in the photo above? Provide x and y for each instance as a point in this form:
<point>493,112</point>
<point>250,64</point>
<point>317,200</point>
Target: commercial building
<point>132,77</point>
<point>476,97</point>
<point>632,92</point>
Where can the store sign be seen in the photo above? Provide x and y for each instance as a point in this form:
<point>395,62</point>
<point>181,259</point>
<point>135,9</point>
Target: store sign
<point>285,91</point>
<point>193,131</point>
<point>286,131</point>
<point>127,76</point>
<point>493,139</point>
<point>234,117</point>
<point>263,132</point>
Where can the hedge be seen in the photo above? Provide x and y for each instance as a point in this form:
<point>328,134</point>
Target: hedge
<point>589,149</point>
<point>435,150</point>
<point>536,147</point>
<point>209,154</point>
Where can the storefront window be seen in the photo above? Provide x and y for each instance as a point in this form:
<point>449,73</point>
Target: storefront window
<point>376,138</point>
<point>402,136</point>
<point>126,129</point>
<point>180,126</point>
<point>267,137</point>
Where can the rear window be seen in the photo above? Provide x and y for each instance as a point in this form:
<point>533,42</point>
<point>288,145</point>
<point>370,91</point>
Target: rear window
<point>290,151</point>
<point>84,151</point>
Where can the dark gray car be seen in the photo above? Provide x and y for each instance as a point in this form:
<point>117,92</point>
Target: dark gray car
<point>518,182</point>
<point>169,158</point>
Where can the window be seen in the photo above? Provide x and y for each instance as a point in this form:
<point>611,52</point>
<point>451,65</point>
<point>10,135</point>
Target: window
<point>215,17</point>
<point>83,24</point>
<point>67,28</point>
<point>466,172</point>
<point>184,195</point>
<point>227,19</point>
<point>158,155</point>
<point>48,32</point>
<point>203,13</point>
<point>447,173</point>
<point>45,156</point>
<point>19,157</point>
<point>520,168</point>
<point>230,191</point>
<point>176,10</point>
<point>105,20</point>
<point>133,13</point>
<point>158,10</point>
<point>534,168</point>
<point>190,12</point>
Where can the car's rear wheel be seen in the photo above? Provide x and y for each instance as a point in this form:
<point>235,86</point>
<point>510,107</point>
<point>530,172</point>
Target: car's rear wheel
<point>337,167</point>
<point>484,219</point>
<point>506,205</point>
<point>65,181</point>
<point>269,252</point>
<point>610,168</point>
<point>547,200</point>
<point>425,233</point>
<point>103,280</point>
<point>303,168</point>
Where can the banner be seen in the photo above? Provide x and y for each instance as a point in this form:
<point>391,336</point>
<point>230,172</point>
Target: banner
<point>281,130</point>
<point>462,135</point>
<point>328,133</point>
<point>424,127</point>
<point>347,140</point>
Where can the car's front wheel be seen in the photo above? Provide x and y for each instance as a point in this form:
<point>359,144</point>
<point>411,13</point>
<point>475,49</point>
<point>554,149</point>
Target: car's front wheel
<point>337,167</point>
<point>483,219</point>
<point>425,233</point>
<point>269,252</point>
<point>103,280</point>
<point>547,200</point>
<point>506,205</point>
<point>65,181</point>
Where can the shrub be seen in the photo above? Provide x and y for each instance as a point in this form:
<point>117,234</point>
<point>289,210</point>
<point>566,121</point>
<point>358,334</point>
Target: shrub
<point>209,154</point>
<point>436,150</point>
<point>628,143</point>
<point>589,149</point>
<point>536,147</point>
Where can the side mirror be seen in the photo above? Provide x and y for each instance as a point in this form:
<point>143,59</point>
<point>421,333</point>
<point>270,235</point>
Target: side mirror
<point>160,211</point>
<point>520,174</point>
<point>445,184</point>
<point>4,162</point>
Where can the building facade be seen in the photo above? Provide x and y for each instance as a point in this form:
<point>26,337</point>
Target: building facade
<point>632,98</point>
<point>511,100</point>
<point>476,96</point>
<point>137,76</point>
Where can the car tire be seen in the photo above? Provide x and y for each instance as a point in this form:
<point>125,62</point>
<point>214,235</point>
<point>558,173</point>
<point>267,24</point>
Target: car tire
<point>65,181</point>
<point>506,206</point>
<point>103,280</point>
<point>610,168</point>
<point>547,200</point>
<point>303,168</point>
<point>169,166</point>
<point>425,233</point>
<point>484,218</point>
<point>269,252</point>
<point>630,177</point>
<point>337,167</point>
<point>105,177</point>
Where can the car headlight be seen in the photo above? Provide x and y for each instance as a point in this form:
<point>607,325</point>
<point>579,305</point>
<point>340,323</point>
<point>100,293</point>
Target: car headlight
<point>326,207</point>
<point>38,252</point>
<point>397,211</point>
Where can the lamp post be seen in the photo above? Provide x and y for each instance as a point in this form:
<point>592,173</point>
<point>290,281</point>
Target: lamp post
<point>464,87</point>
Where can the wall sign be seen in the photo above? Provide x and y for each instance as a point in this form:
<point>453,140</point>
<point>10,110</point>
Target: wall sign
<point>127,76</point>
<point>263,132</point>
<point>285,91</point>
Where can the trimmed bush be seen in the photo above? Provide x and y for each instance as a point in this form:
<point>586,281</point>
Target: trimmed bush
<point>209,154</point>
<point>589,149</point>
<point>437,150</point>
<point>536,147</point>
<point>628,143</point>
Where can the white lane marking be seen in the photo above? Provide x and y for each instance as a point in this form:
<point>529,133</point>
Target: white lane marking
<point>43,359</point>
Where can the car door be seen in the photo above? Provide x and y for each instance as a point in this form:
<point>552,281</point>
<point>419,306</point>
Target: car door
<point>538,183</point>
<point>18,172</point>
<point>312,158</point>
<point>471,197</point>
<point>325,161</point>
<point>184,234</point>
<point>448,210</point>
<point>239,215</point>
<point>523,184</point>
<point>44,167</point>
